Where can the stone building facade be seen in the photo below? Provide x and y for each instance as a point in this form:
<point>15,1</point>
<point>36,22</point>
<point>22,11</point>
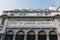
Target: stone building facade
<point>30,24</point>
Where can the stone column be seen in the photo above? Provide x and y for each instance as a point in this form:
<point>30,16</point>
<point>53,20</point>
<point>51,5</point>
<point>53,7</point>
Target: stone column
<point>36,37</point>
<point>58,36</point>
<point>14,37</point>
<point>25,38</point>
<point>47,36</point>
<point>2,37</point>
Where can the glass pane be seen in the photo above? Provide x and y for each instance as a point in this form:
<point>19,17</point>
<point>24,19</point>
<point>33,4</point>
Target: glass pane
<point>0,37</point>
<point>53,35</point>
<point>8,37</point>
<point>31,35</point>
<point>20,36</point>
<point>42,35</point>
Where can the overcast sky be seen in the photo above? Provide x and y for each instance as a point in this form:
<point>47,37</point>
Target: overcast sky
<point>27,4</point>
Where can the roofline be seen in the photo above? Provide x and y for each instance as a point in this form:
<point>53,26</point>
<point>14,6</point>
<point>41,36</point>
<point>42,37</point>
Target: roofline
<point>6,16</point>
<point>34,11</point>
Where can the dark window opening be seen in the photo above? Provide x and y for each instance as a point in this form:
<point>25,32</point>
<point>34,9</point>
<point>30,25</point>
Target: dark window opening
<point>3,21</point>
<point>53,35</point>
<point>42,35</point>
<point>9,35</point>
<point>0,37</point>
<point>20,35</point>
<point>12,14</point>
<point>31,35</point>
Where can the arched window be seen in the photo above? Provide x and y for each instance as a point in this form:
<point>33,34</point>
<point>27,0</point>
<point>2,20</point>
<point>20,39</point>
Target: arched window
<point>20,35</point>
<point>31,35</point>
<point>53,35</point>
<point>42,35</point>
<point>9,35</point>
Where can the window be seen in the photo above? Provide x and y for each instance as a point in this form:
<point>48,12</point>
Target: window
<point>0,37</point>
<point>20,35</point>
<point>42,35</point>
<point>46,14</point>
<point>31,35</point>
<point>52,35</point>
<point>22,14</point>
<point>3,21</point>
<point>9,35</point>
<point>12,14</point>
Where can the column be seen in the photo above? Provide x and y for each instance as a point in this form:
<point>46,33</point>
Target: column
<point>14,37</point>
<point>36,37</point>
<point>2,37</point>
<point>47,36</point>
<point>58,36</point>
<point>25,38</point>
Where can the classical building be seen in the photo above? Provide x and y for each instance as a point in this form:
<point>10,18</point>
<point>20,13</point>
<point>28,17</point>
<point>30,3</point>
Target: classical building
<point>30,24</point>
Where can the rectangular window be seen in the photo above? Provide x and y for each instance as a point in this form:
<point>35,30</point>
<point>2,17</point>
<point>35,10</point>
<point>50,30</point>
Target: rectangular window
<point>46,14</point>
<point>22,14</point>
<point>3,21</point>
<point>12,14</point>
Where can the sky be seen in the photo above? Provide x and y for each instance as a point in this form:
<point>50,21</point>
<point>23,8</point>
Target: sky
<point>27,4</point>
